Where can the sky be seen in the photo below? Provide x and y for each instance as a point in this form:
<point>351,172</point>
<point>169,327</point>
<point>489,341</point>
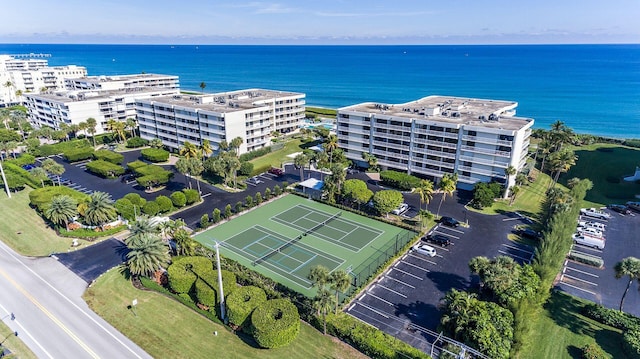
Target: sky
<point>321,22</point>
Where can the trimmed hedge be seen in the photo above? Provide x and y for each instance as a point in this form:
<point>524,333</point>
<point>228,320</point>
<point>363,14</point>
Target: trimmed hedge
<point>91,233</point>
<point>150,175</point>
<point>631,342</point>
<point>275,323</point>
<point>164,204</point>
<point>260,169</point>
<point>151,208</point>
<point>60,147</point>
<point>105,169</point>
<point>586,259</point>
<point>229,282</point>
<point>593,351</point>
<point>24,159</point>
<point>135,142</point>
<point>206,293</point>
<point>369,340</point>
<point>133,166</point>
<point>155,154</point>
<point>109,156</point>
<point>255,154</point>
<point>191,195</point>
<point>399,180</point>
<point>610,317</point>
<point>21,175</point>
<point>125,209</point>
<point>178,199</point>
<point>182,272</point>
<point>242,302</point>
<point>41,197</point>
<point>78,154</point>
<point>135,199</point>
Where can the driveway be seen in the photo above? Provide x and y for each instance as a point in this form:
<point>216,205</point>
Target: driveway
<point>89,263</point>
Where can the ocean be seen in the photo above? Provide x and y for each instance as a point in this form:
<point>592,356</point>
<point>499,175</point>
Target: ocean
<point>592,88</point>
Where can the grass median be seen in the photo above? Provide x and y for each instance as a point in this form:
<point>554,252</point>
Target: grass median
<point>167,329</point>
<point>14,344</point>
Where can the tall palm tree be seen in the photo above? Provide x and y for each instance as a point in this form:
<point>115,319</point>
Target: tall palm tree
<point>340,281</point>
<point>117,128</point>
<point>235,144</point>
<point>82,126</point>
<point>206,149</point>
<point>300,161</point>
<point>425,192</point>
<point>9,85</point>
<point>319,276</point>
<point>54,168</point>
<point>189,150</point>
<point>371,159</point>
<point>91,128</point>
<point>185,245</point>
<point>338,176</point>
<point>182,165</point>
<point>447,186</point>
<point>147,255</point>
<point>561,162</point>
<point>323,303</point>
<point>630,267</point>
<point>202,86</point>
<point>514,193</point>
<point>100,209</point>
<point>233,165</point>
<point>142,225</point>
<point>330,144</point>
<point>508,172</point>
<point>39,173</point>
<point>156,143</point>
<point>131,125</point>
<point>195,169</point>
<point>62,209</point>
<point>11,146</point>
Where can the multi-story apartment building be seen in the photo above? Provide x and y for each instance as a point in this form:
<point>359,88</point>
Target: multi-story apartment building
<point>435,135</point>
<point>118,82</point>
<point>252,114</point>
<point>73,107</point>
<point>21,76</point>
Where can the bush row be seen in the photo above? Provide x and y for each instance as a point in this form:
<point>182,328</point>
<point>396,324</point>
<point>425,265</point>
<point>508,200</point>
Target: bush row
<point>60,147</point>
<point>105,169</point>
<point>135,142</point>
<point>109,156</point>
<point>17,176</point>
<point>610,317</point>
<point>91,233</point>
<point>78,154</point>
<point>275,323</point>
<point>155,154</point>
<point>399,180</point>
<point>586,259</point>
<point>41,197</point>
<point>255,154</point>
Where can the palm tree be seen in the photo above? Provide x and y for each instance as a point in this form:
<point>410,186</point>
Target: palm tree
<point>233,165</point>
<point>100,209</point>
<point>142,225</point>
<point>338,176</point>
<point>186,245</point>
<point>147,255</point>
<point>156,143</point>
<point>447,186</point>
<point>11,146</point>
<point>330,145</point>
<point>117,128</point>
<point>131,125</point>
<point>202,86</point>
<point>340,281</point>
<point>371,159</point>
<point>629,266</point>
<point>182,165</point>
<point>91,128</point>
<point>323,303</point>
<point>195,169</point>
<point>300,161</point>
<point>508,172</point>
<point>319,276</point>
<point>189,150</point>
<point>8,85</point>
<point>425,192</point>
<point>235,144</point>
<point>205,148</point>
<point>514,193</point>
<point>54,168</point>
<point>561,162</point>
<point>82,126</point>
<point>39,173</point>
<point>62,209</point>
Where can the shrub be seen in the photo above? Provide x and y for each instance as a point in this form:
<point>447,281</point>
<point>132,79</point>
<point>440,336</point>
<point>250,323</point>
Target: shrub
<point>215,215</point>
<point>242,302</point>
<point>182,272</point>
<point>109,156</point>
<point>275,323</point>
<point>151,208</point>
<point>239,207</point>
<point>261,169</point>
<point>246,169</point>
<point>229,282</point>
<point>92,233</point>
<point>593,351</point>
<point>178,199</point>
<point>258,198</point>
<point>135,142</point>
<point>191,195</point>
<point>155,154</point>
<point>41,197</point>
<point>610,317</point>
<point>631,344</point>
<point>16,174</point>
<point>60,147</point>
<point>204,221</point>
<point>255,154</point>
<point>133,166</point>
<point>105,169</point>
<point>164,204</point>
<point>227,211</point>
<point>24,159</point>
<point>78,154</point>
<point>205,292</point>
<point>399,180</point>
<point>249,201</point>
<point>125,209</point>
<point>586,259</point>
<point>135,199</point>
<point>152,175</point>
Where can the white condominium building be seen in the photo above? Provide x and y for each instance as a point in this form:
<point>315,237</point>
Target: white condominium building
<point>435,135</point>
<point>22,76</point>
<point>73,107</point>
<point>251,114</point>
<point>117,82</point>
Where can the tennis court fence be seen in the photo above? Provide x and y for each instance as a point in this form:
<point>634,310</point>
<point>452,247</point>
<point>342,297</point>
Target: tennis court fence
<point>362,273</point>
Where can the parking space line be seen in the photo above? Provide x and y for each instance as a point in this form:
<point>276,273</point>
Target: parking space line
<point>407,273</point>
<point>583,272</point>
<point>513,255</point>
<point>422,259</point>
<point>392,291</point>
<point>576,245</point>
<point>447,234</point>
<point>366,306</point>
<point>380,299</point>
<point>206,195</point>
<point>399,281</point>
<point>578,288</point>
<point>580,280</point>
<point>517,248</point>
<point>451,229</point>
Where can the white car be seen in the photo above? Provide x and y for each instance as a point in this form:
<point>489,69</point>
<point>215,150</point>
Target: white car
<point>401,209</point>
<point>589,231</point>
<point>592,224</point>
<point>425,249</point>
<point>595,213</point>
<point>598,243</point>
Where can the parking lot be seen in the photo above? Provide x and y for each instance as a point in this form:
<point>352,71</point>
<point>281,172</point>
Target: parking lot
<point>404,300</point>
<point>600,284</point>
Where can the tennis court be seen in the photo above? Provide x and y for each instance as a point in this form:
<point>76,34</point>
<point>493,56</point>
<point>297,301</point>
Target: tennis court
<point>285,238</point>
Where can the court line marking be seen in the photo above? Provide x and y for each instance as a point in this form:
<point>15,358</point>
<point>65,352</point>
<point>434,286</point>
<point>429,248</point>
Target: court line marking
<point>407,273</point>
<point>344,219</point>
<point>319,235</point>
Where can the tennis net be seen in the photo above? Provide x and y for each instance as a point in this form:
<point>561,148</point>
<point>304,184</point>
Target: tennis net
<point>323,223</point>
<point>276,250</point>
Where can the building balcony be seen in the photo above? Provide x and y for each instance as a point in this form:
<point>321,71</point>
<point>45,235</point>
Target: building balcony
<point>393,164</point>
<point>482,171</point>
<point>486,151</point>
<point>391,127</point>
<point>491,141</point>
<point>435,133</point>
<point>435,153</point>
<point>390,154</point>
<point>484,161</point>
<point>434,162</point>
<point>427,171</point>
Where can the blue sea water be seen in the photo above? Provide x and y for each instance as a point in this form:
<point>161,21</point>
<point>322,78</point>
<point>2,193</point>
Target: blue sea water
<point>592,88</point>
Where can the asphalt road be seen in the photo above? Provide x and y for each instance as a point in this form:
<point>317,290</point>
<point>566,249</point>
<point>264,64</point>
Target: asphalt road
<point>51,317</point>
<point>90,262</point>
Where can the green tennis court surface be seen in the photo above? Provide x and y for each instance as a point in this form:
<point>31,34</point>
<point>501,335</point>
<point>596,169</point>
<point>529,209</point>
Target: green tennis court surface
<point>285,238</point>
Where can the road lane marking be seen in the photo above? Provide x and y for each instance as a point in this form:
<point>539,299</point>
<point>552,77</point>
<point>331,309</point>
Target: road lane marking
<point>23,330</point>
<point>49,314</point>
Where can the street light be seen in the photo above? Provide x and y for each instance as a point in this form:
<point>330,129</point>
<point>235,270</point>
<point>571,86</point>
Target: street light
<point>4,179</point>
<point>222,305</point>
<point>7,337</point>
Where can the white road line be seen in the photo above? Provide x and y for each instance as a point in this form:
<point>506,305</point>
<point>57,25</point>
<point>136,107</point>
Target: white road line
<point>513,255</point>
<point>583,272</point>
<point>407,273</point>
<point>351,307</point>
<point>380,299</point>
<point>578,288</point>
<point>392,291</point>
<point>23,330</point>
<point>576,245</point>
<point>366,306</point>
<point>370,288</point>
<point>422,259</point>
<point>517,248</point>
<point>511,219</point>
<point>399,281</point>
<point>581,280</point>
<point>415,266</point>
<point>206,195</point>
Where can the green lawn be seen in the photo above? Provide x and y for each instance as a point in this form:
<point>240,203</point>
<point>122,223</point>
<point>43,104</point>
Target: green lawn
<point>25,231</point>
<point>13,343</point>
<point>560,332</point>
<point>605,165</point>
<point>167,329</point>
<point>277,158</point>
<point>321,111</point>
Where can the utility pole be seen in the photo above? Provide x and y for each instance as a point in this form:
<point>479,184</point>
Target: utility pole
<point>4,179</point>
<point>222,309</point>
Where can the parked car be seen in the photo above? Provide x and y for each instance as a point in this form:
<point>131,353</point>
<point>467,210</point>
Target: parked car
<point>595,213</point>
<point>254,180</point>
<point>438,239</point>
<point>591,224</point>
<point>620,208</point>
<point>529,233</point>
<point>598,243</point>
<point>634,206</point>
<point>590,231</point>
<point>276,171</point>
<point>425,249</point>
<point>449,221</point>
<point>401,209</point>
<point>28,167</point>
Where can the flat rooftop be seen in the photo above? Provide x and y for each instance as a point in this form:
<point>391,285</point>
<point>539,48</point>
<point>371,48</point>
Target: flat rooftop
<point>114,78</point>
<point>91,95</point>
<point>223,102</point>
<point>455,110</point>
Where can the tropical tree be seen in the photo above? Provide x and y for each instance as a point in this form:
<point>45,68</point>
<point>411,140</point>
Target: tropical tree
<point>39,173</point>
<point>508,172</point>
<point>319,277</point>
<point>339,281</point>
<point>323,303</point>
<point>189,150</point>
<point>514,190</point>
<point>202,86</point>
<point>182,165</point>
<point>560,134</point>
<point>91,128</point>
<point>147,255</point>
<point>371,160</point>
<point>300,161</point>
<point>100,209</point>
<point>234,145</point>
<point>205,148</point>
<point>117,128</point>
<point>82,126</point>
<point>156,143</point>
<point>142,225</point>
<point>195,169</point>
<point>386,200</point>
<point>447,186</point>
<point>61,210</point>
<point>561,162</point>
<point>628,267</point>
<point>337,176</point>
<point>185,245</point>
<point>425,192</point>
<point>330,144</point>
<point>131,125</point>
<point>53,168</point>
